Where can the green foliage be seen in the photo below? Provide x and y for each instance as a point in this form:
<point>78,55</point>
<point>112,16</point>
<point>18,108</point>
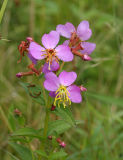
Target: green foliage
<point>24,152</point>
<point>29,132</point>
<point>41,153</point>
<point>3,9</point>
<point>107,99</point>
<point>15,120</point>
<point>34,91</point>
<point>65,114</point>
<point>57,155</point>
<point>59,126</point>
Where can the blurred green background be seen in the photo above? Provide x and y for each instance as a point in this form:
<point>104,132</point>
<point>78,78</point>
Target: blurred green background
<point>100,137</point>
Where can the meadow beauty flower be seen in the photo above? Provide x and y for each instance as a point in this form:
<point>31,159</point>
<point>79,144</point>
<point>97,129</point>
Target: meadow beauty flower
<point>83,32</point>
<point>87,49</point>
<point>50,52</point>
<point>77,38</point>
<point>62,88</point>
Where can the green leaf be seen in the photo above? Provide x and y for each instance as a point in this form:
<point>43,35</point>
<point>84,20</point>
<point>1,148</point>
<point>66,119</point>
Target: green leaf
<point>20,139</point>
<point>13,157</point>
<point>24,153</point>
<point>30,132</point>
<point>21,120</point>
<point>3,9</point>
<point>57,155</point>
<point>41,153</point>
<point>65,114</point>
<point>35,92</point>
<point>11,118</point>
<point>107,99</point>
<point>59,126</point>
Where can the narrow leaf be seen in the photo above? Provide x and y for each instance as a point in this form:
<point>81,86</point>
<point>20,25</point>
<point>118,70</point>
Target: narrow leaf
<point>59,126</point>
<point>41,153</point>
<point>65,114</point>
<point>28,132</point>
<point>57,155</point>
<point>24,153</point>
<point>107,99</point>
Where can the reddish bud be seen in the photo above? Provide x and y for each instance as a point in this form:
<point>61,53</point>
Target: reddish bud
<point>53,107</point>
<point>29,39</point>
<point>83,89</point>
<point>19,75</point>
<point>58,140</point>
<point>50,137</point>
<point>17,112</point>
<point>63,144</point>
<point>85,57</point>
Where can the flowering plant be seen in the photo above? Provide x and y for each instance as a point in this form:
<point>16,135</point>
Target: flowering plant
<point>58,91</point>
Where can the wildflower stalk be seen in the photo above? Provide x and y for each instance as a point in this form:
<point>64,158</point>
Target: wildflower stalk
<point>3,9</point>
<point>45,124</point>
<point>5,119</point>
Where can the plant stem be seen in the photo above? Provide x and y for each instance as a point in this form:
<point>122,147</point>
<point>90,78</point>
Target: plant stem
<point>3,9</point>
<point>5,119</point>
<point>45,126</point>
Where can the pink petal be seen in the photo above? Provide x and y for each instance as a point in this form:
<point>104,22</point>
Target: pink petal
<point>50,40</point>
<point>67,78</point>
<point>52,94</point>
<point>70,27</point>
<point>66,42</point>
<point>88,47</point>
<point>64,53</point>
<point>53,67</point>
<point>75,94</point>
<point>63,30</point>
<point>52,82</point>
<point>35,51</point>
<point>83,31</point>
<point>32,59</point>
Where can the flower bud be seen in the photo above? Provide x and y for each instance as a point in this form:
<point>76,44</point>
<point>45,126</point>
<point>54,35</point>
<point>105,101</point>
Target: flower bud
<point>58,140</point>
<point>53,107</point>
<point>17,112</point>
<point>63,144</point>
<point>19,75</point>
<point>85,57</point>
<point>50,137</point>
<point>83,89</point>
<point>29,39</point>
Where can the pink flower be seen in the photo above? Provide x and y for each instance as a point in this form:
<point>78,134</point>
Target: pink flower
<point>77,38</point>
<point>50,52</point>
<point>53,67</point>
<point>83,32</point>
<point>62,88</point>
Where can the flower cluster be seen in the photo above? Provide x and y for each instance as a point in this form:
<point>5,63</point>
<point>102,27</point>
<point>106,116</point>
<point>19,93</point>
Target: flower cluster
<point>61,87</point>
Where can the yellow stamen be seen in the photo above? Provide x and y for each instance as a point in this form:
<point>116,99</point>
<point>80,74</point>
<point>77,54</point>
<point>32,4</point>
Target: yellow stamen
<point>50,55</point>
<point>62,96</point>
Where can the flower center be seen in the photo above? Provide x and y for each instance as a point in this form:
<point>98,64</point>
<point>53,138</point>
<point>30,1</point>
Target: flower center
<point>74,40</point>
<point>62,96</point>
<point>50,55</point>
